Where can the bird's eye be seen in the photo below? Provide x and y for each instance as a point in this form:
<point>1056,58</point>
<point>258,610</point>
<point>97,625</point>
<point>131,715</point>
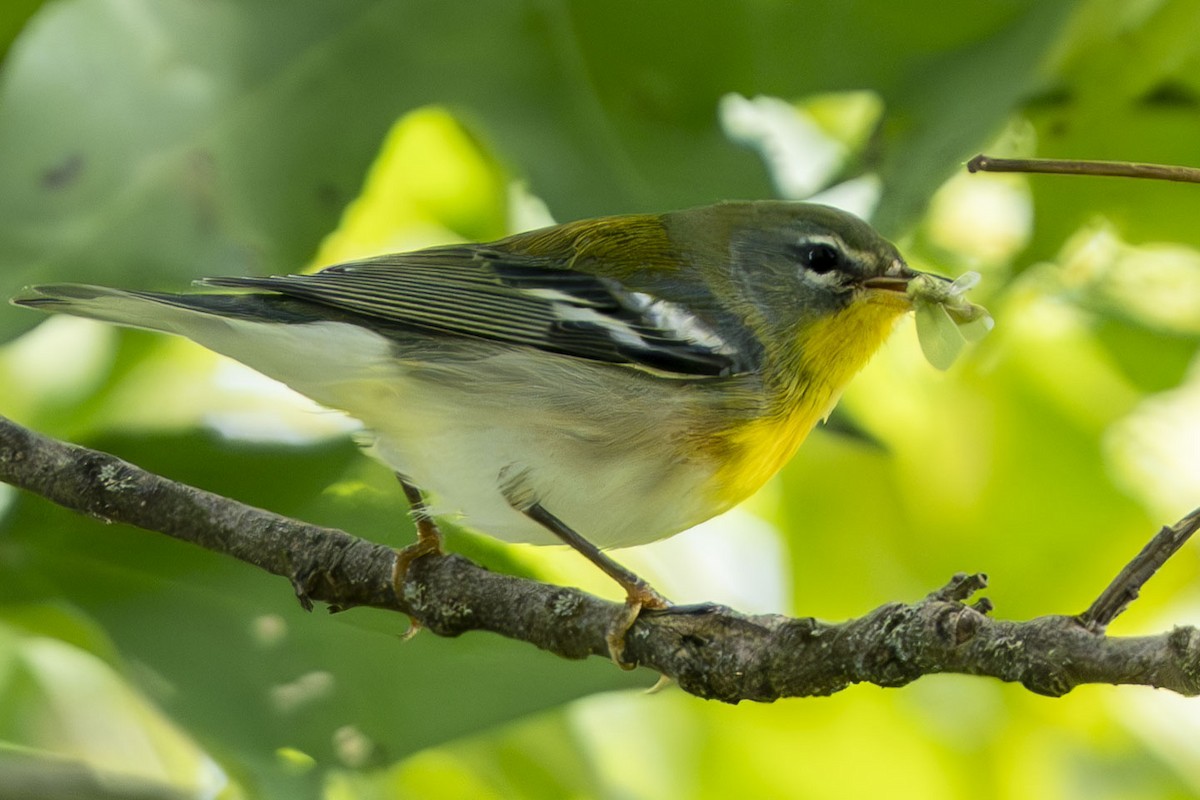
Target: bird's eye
<point>818,257</point>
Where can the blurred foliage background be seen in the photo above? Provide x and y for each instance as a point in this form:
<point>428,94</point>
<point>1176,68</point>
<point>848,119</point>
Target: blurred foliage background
<point>145,143</point>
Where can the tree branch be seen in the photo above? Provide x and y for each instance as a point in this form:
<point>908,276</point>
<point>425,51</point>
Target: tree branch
<point>1125,588</point>
<point>711,651</point>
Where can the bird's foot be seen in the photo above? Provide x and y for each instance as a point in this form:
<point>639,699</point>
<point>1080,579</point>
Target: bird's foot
<point>428,543</point>
<point>639,595</point>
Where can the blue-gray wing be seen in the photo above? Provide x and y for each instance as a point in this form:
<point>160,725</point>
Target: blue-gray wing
<point>486,293</point>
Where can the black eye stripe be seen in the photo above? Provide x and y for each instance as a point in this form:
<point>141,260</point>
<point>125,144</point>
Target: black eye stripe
<point>818,257</point>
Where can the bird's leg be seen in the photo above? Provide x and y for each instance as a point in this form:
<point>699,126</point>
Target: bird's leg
<point>638,593</point>
<point>429,538</point>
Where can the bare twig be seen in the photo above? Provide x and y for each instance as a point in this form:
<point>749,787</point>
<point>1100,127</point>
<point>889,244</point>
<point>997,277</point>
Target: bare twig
<point>1111,169</point>
<point>710,651</point>
<point>1124,588</point>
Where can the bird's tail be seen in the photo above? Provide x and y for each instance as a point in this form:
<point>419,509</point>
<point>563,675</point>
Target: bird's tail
<point>290,342</point>
<point>151,311</point>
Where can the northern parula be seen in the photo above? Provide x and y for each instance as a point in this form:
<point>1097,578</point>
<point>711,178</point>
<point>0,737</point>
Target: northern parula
<point>606,382</point>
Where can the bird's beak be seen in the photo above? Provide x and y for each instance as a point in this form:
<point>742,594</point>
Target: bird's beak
<point>894,280</point>
<point>887,283</point>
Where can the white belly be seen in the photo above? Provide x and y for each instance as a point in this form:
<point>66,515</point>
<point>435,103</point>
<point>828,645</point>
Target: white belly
<point>611,490</point>
<point>602,448</point>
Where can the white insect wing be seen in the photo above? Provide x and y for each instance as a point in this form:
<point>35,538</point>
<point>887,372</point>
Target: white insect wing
<point>946,320</point>
<point>940,339</point>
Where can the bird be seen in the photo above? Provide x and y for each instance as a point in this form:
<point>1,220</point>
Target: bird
<point>605,382</point>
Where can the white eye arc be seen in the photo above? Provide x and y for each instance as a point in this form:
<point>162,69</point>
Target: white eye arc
<point>819,255</point>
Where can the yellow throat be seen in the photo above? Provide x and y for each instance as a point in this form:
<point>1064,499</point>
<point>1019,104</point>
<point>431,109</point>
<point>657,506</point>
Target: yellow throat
<point>831,351</point>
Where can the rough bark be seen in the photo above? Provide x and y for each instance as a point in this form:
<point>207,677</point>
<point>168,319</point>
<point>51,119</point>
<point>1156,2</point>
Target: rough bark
<point>710,650</point>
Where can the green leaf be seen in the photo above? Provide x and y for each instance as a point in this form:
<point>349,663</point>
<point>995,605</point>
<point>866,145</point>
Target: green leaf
<point>1130,91</point>
<point>13,18</point>
<point>150,142</point>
